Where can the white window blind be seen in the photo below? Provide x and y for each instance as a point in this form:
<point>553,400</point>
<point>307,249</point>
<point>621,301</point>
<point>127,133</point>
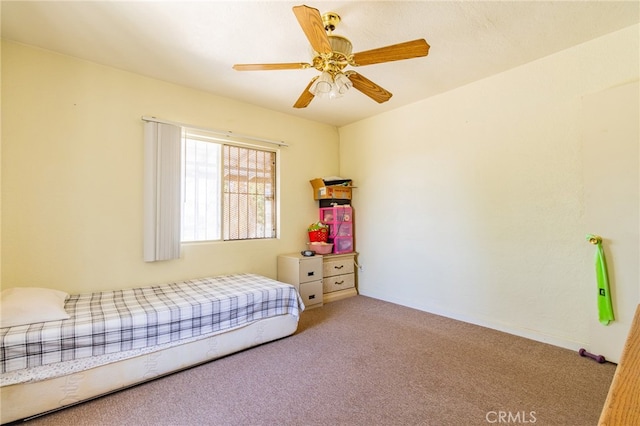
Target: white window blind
<point>162,192</point>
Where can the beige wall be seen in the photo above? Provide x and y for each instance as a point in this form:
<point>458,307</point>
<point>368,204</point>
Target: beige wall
<point>610,148</point>
<point>72,145</point>
<point>471,204</point>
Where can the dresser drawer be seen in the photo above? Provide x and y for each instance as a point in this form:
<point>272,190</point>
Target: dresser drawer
<point>338,282</point>
<point>311,293</point>
<point>310,269</point>
<point>338,266</point>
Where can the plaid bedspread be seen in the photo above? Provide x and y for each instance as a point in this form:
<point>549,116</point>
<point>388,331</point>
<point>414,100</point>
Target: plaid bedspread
<point>108,322</point>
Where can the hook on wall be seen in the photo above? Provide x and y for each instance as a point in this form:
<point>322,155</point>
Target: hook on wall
<point>594,239</point>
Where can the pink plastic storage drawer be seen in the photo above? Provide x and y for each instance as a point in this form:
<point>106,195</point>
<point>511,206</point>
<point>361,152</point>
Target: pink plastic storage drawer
<point>344,229</point>
<point>342,245</point>
<point>340,222</point>
<point>336,214</point>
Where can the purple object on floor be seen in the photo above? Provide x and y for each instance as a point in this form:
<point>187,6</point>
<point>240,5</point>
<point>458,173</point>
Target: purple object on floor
<point>597,358</point>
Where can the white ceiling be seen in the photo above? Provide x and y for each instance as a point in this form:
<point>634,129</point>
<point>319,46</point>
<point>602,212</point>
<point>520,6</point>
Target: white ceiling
<point>195,44</point>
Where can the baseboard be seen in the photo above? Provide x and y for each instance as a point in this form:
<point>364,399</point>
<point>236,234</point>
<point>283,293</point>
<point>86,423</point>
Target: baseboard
<point>339,295</point>
<point>484,322</point>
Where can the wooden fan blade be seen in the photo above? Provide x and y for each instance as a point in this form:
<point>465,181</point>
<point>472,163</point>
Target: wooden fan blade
<point>395,52</point>
<point>269,67</point>
<point>311,22</point>
<point>369,88</point>
<point>306,97</point>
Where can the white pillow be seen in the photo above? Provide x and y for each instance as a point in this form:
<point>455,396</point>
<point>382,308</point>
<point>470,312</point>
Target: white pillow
<point>28,305</point>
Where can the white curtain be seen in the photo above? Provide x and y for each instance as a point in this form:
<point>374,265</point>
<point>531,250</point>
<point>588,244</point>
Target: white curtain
<point>162,192</point>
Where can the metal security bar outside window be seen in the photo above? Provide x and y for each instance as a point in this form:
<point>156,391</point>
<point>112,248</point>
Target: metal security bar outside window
<point>229,191</point>
<point>249,193</point>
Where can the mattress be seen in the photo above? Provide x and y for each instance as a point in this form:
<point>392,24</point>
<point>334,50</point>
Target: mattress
<point>25,400</point>
<point>121,338</point>
<point>118,321</point>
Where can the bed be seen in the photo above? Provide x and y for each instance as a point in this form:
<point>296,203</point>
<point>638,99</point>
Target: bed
<point>106,341</point>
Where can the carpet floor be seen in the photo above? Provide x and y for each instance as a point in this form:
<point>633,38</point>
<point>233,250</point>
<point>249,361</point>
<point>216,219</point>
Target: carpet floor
<point>362,361</point>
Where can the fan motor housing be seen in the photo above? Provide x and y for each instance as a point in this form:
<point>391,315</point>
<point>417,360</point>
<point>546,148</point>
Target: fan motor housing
<point>339,57</point>
<point>340,45</point>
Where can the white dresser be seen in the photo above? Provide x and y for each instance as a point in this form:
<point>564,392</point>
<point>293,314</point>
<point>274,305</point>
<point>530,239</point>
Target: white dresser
<point>305,273</point>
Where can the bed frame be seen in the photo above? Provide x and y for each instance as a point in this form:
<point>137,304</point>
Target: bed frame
<point>30,399</point>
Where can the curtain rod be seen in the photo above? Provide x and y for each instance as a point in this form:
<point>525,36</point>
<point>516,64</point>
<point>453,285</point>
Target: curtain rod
<point>227,133</point>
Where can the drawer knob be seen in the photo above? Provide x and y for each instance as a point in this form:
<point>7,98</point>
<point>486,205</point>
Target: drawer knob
<point>339,282</point>
<point>339,267</point>
<point>310,274</point>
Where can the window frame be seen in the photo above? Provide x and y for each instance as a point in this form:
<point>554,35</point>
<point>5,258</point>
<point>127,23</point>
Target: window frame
<point>209,137</point>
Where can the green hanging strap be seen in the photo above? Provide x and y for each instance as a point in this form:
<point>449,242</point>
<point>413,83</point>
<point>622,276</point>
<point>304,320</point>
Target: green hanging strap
<point>605,307</point>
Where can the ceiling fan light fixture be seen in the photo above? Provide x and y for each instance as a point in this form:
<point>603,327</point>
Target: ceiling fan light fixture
<point>342,83</point>
<point>330,85</point>
<point>322,85</point>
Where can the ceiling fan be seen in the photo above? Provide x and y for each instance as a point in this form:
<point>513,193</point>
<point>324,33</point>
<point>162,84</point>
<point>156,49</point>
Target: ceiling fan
<point>333,55</point>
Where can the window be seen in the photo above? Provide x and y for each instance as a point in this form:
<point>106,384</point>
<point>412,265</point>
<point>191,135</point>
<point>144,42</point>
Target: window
<point>228,190</point>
